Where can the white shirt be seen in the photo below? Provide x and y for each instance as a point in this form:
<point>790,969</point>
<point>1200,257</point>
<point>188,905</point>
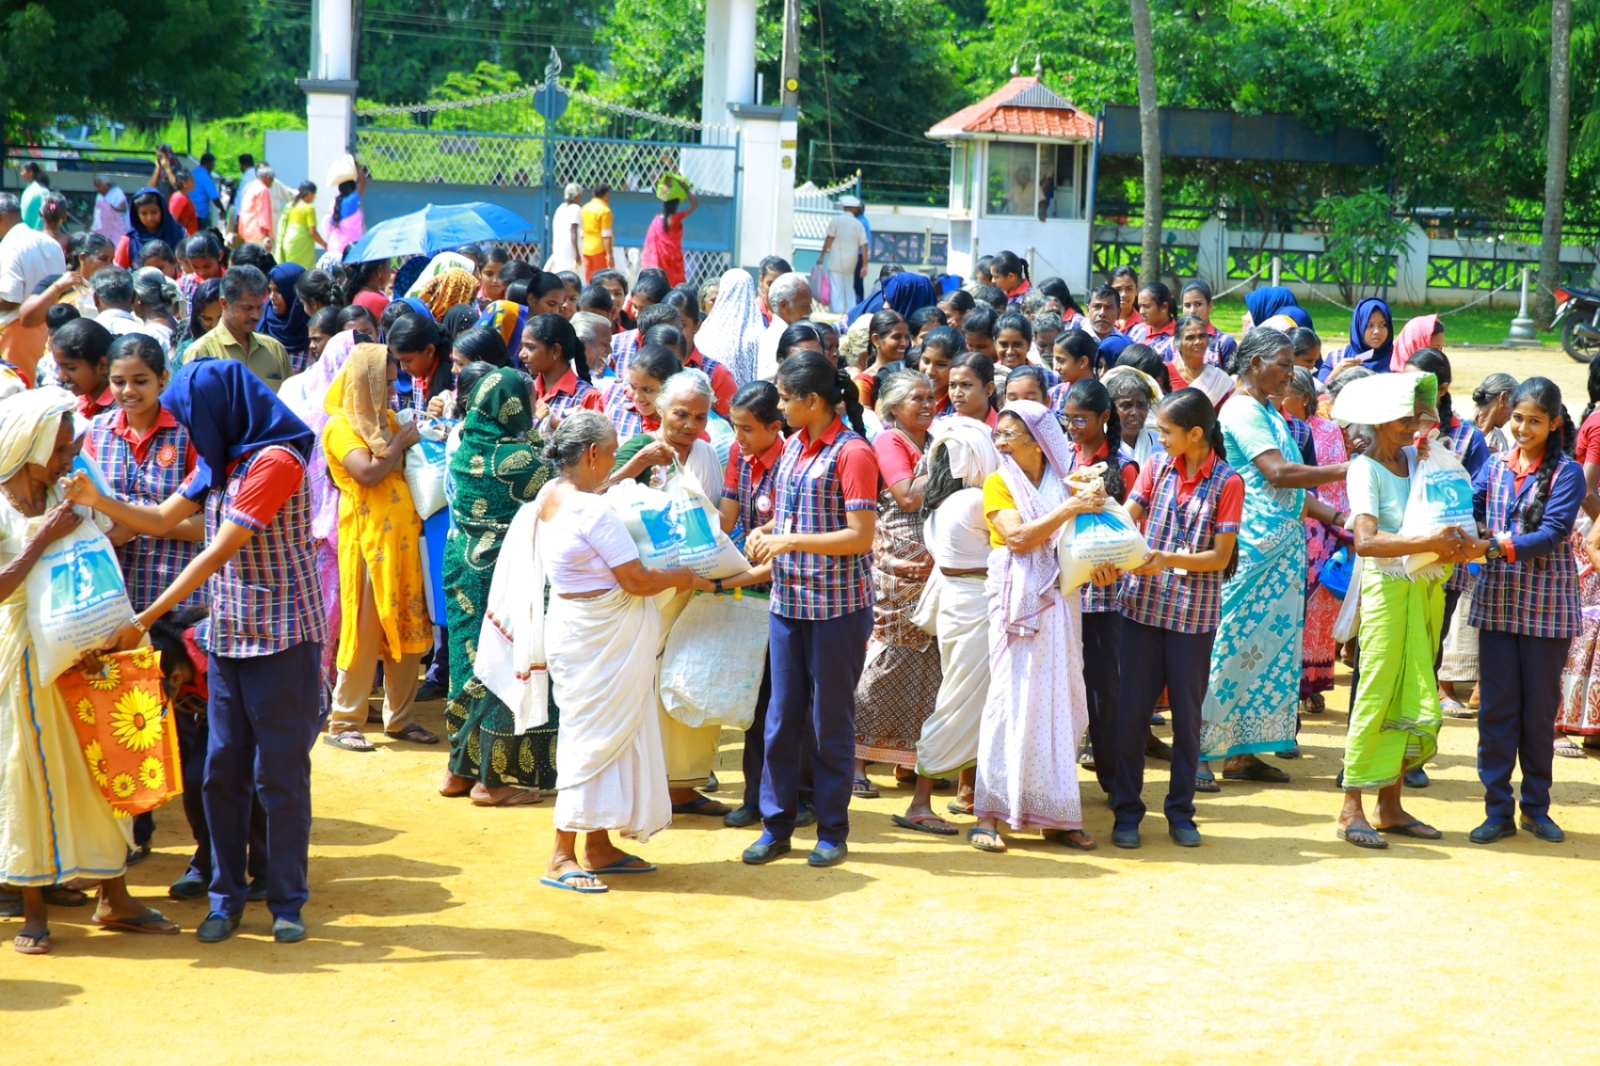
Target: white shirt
<point>848,236</point>
<point>767,357</point>
<point>581,544</point>
<point>111,213</point>
<point>957,534</point>
<point>27,257</point>
<point>563,255</point>
<point>118,322</point>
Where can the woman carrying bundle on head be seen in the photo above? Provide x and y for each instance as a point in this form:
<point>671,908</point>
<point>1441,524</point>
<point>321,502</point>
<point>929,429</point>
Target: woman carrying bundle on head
<point>901,679</point>
<point>1394,712</point>
<point>1189,501</point>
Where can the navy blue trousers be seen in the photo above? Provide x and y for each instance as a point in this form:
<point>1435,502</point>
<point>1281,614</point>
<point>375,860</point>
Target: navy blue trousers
<point>815,667</point>
<point>1155,659</point>
<point>194,736</point>
<point>755,749</point>
<point>1519,695</point>
<point>263,720</point>
<point>1102,680</point>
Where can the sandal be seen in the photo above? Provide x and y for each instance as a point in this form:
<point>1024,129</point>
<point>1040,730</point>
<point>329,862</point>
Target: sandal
<point>985,839</point>
<point>956,807</point>
<point>456,792</point>
<point>55,896</point>
<point>1567,749</point>
<point>861,788</point>
<point>1455,709</point>
<point>1257,771</point>
<point>1206,781</point>
<point>415,734</point>
<point>148,922</point>
<point>925,823</point>
<point>483,796</point>
<point>349,740</point>
<point>704,805</point>
<point>1412,828</point>
<point>28,944</point>
<point>588,890</point>
<point>1083,842</point>
<point>1363,838</point>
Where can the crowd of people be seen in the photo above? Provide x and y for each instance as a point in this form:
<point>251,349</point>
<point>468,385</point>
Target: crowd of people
<point>259,436</point>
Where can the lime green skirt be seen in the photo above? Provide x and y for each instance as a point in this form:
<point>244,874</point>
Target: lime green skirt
<point>1394,717</point>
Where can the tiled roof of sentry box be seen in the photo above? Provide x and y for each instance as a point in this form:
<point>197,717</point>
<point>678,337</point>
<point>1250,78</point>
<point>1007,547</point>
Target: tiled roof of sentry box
<point>1023,107</point>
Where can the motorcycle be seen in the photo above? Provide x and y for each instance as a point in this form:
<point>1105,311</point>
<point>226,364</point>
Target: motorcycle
<point>1578,315</point>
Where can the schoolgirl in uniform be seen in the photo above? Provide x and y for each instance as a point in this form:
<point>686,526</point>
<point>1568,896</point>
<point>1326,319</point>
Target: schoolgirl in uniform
<point>1526,607</point>
<point>819,541</point>
<point>1189,501</point>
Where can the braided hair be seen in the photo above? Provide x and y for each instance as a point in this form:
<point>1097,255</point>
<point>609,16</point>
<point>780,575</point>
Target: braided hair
<point>808,373</point>
<point>1545,395</point>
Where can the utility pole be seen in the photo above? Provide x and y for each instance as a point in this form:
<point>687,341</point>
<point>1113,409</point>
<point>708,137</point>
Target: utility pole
<point>791,54</point>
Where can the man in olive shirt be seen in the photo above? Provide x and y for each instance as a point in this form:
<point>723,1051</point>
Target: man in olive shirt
<point>244,293</point>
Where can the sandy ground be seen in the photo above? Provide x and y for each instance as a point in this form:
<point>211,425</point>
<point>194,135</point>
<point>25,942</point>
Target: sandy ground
<point>431,939</point>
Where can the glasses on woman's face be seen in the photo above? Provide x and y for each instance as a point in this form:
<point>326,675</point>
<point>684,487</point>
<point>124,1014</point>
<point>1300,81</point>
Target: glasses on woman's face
<point>1006,436</point>
<point>1076,421</point>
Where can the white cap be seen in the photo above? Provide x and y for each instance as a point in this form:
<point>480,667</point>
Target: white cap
<point>849,201</point>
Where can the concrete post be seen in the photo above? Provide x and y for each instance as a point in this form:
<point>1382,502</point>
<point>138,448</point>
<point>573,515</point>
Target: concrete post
<point>330,94</point>
<point>1522,332</point>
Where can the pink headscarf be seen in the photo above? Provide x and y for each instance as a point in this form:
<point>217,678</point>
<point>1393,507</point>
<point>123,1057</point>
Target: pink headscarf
<point>1415,335</point>
<point>1028,581</point>
<point>305,395</point>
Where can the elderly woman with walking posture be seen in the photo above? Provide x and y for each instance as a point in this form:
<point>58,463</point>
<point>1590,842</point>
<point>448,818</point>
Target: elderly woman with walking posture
<point>55,825</point>
<point>594,648</point>
<point>1037,709</point>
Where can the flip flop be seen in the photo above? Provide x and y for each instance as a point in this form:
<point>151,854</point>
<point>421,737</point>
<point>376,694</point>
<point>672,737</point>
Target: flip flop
<point>913,823</point>
<point>1412,828</point>
<point>520,797</point>
<point>561,883</point>
<point>1568,750</point>
<point>701,805</point>
<point>27,944</point>
<point>1257,771</point>
<point>344,741</point>
<point>861,788</point>
<point>143,923</point>
<point>1362,838</point>
<point>1206,781</point>
<point>413,734</point>
<point>955,807</point>
<point>1063,836</point>
<point>974,835</point>
<point>621,867</point>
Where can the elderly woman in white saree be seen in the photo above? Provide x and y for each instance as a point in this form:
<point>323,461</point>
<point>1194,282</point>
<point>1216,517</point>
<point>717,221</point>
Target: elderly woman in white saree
<point>55,825</point>
<point>1036,710</point>
<point>956,604</point>
<point>596,644</point>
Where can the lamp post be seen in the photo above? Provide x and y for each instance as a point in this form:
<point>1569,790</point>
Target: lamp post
<point>1522,333</point>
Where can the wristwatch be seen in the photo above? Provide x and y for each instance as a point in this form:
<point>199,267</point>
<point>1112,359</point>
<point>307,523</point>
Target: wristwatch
<point>1494,551</point>
<point>717,586</point>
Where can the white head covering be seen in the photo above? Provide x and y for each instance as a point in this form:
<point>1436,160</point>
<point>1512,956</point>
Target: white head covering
<point>968,446</point>
<point>1384,398</point>
<point>438,265</point>
<point>29,422</point>
<point>731,333</point>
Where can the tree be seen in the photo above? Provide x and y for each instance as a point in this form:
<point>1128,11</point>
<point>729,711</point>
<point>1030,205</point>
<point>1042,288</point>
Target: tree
<point>1144,50</point>
<point>1555,181</point>
<point>119,58</point>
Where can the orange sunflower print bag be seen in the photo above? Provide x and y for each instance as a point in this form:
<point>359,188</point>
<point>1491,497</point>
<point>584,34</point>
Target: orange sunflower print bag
<point>125,728</point>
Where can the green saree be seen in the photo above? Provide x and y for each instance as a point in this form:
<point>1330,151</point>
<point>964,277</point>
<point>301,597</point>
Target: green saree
<point>496,470</point>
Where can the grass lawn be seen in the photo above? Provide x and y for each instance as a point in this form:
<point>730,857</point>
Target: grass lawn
<point>1484,324</point>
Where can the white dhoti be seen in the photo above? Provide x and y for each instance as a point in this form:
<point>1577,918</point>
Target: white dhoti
<point>949,740</point>
<point>610,771</point>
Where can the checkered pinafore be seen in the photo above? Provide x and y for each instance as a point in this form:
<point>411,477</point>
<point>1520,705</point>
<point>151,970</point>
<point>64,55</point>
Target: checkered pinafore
<point>1530,597</point>
<point>809,499</point>
<point>1183,603</point>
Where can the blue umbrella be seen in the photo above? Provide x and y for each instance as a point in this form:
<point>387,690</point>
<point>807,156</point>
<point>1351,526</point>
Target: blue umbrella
<point>436,228</point>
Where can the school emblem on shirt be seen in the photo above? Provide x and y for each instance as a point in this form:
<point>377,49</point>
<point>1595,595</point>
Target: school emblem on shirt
<point>763,504</point>
<point>167,455</point>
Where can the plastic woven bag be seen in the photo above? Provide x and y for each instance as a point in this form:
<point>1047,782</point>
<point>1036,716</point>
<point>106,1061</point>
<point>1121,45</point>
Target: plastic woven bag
<point>647,515</point>
<point>76,598</point>
<point>704,547</point>
<point>1441,495</point>
<point>715,655</point>
<point>125,729</point>
<point>427,465</point>
<point>1110,536</point>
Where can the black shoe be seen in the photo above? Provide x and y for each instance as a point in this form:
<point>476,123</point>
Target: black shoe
<point>1156,748</point>
<point>1126,838</point>
<point>138,854</point>
<point>711,784</point>
<point>821,856</point>
<point>288,930</point>
<point>760,854</point>
<point>1185,836</point>
<point>217,928</point>
<point>807,816</point>
<point>187,888</point>
<point>1543,828</point>
<point>742,817</point>
<point>428,691</point>
<point>1417,778</point>
<point>257,892</point>
<point>1490,831</point>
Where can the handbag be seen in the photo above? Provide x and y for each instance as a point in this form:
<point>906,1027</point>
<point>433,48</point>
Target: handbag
<point>126,730</point>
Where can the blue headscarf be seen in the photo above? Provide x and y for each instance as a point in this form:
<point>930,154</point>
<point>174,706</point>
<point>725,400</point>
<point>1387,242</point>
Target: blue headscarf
<point>1271,300</point>
<point>1379,363</point>
<point>167,230</point>
<point>904,293</point>
<point>292,328</point>
<point>229,413</point>
<point>416,304</point>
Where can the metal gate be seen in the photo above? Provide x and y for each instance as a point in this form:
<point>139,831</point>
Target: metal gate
<point>522,148</point>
